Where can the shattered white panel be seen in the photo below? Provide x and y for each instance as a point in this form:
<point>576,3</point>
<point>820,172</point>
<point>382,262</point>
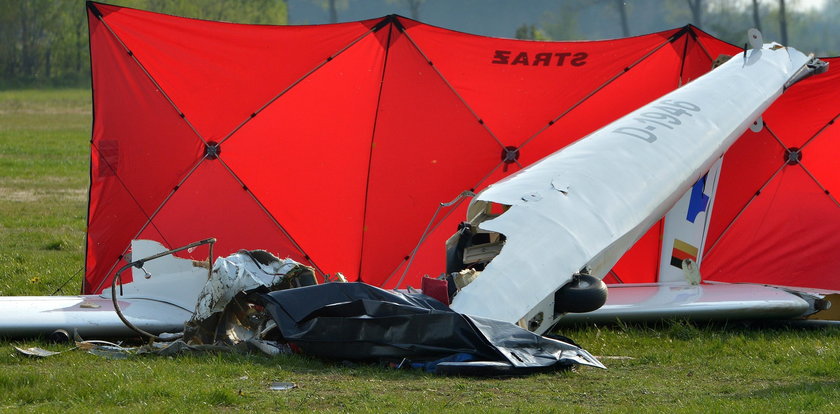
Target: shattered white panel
<point>236,273</point>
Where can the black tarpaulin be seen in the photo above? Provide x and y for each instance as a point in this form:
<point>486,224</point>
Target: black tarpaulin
<point>356,321</point>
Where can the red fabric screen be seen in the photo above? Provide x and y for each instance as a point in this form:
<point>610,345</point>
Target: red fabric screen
<point>779,221</point>
<point>335,144</point>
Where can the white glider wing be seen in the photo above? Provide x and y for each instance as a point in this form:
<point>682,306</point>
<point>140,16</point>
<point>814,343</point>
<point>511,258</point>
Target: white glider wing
<point>582,207</point>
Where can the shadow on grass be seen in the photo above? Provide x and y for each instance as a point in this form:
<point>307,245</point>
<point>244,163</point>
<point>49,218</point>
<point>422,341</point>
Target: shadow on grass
<point>827,387</point>
<point>688,329</point>
<point>801,396</point>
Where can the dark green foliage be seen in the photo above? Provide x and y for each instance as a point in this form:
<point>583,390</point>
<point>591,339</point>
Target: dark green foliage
<point>809,29</point>
<point>45,42</point>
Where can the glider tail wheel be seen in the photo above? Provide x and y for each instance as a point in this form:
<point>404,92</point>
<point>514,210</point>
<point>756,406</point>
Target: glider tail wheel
<point>585,293</point>
<point>59,336</point>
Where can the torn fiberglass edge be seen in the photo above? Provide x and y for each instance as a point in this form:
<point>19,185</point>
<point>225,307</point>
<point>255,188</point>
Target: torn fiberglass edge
<point>226,312</point>
<point>473,247</point>
<point>220,297</point>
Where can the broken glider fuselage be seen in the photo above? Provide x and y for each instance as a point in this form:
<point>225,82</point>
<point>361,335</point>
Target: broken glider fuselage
<point>581,208</point>
<point>576,210</point>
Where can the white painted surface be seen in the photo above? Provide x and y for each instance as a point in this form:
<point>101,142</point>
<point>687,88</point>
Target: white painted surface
<point>161,303</point>
<point>615,184</point>
<point>681,224</point>
<point>91,316</point>
<point>703,302</point>
<point>173,279</point>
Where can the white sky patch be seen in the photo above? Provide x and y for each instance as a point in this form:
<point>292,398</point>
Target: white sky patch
<point>790,5</point>
<point>808,5</point>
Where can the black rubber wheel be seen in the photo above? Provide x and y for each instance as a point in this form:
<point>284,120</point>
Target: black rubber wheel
<point>59,336</point>
<point>585,293</point>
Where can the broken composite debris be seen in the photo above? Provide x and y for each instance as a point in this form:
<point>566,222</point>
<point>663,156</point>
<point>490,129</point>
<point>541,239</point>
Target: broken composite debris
<point>254,301</point>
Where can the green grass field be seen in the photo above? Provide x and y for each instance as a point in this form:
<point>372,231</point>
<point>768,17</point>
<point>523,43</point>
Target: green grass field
<point>670,367</point>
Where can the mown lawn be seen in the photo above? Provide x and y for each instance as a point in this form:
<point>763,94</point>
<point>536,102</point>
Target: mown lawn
<point>668,367</point>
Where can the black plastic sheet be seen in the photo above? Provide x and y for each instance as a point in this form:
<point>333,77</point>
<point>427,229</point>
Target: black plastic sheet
<point>355,321</point>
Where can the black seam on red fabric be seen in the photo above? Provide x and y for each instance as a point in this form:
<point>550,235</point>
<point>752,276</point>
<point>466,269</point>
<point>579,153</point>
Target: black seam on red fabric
<point>741,211</point>
<point>293,84</point>
<point>680,33</point>
<point>359,275</point>
<point>272,218</point>
<point>122,183</point>
<point>615,275</point>
<point>702,46</point>
<point>602,86</point>
<point>394,272</point>
<point>154,82</point>
<point>455,92</point>
<point>149,217</point>
<point>807,171</point>
<point>93,9</point>
<point>820,131</point>
<point>395,18</point>
<point>819,184</point>
<point>776,137</point>
<point>682,61</point>
<point>382,23</point>
<point>90,158</point>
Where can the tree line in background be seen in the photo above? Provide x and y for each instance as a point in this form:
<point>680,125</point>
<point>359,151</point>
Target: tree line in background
<point>44,42</point>
<point>785,21</point>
